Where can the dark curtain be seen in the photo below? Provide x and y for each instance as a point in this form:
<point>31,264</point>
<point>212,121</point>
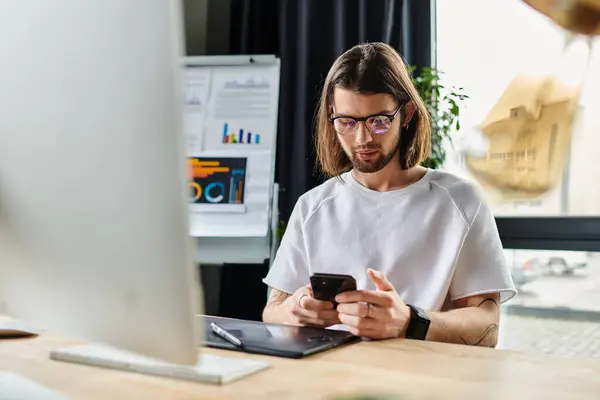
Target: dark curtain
<point>308,35</point>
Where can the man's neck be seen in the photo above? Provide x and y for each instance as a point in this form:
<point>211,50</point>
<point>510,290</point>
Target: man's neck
<point>391,177</point>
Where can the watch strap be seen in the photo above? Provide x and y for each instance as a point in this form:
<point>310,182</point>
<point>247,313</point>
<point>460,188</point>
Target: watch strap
<point>418,324</point>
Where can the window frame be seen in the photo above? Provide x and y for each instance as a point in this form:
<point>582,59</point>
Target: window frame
<point>577,233</point>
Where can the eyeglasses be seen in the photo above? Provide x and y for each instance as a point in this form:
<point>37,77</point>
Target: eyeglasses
<point>378,124</point>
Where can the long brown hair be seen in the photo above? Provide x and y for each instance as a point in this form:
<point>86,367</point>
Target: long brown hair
<point>371,68</point>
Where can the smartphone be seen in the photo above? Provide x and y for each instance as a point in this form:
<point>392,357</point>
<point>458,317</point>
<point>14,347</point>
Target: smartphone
<point>326,286</point>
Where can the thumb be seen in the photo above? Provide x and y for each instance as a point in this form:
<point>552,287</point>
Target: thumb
<point>381,282</point>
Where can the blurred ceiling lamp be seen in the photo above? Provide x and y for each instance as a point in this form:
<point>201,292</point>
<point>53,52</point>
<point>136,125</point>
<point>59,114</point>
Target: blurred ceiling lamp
<point>577,16</point>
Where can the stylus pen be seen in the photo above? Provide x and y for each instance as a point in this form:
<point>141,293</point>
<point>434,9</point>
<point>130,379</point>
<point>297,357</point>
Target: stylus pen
<point>222,333</point>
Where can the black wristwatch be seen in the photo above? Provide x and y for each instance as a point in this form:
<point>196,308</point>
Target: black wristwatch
<point>418,324</point>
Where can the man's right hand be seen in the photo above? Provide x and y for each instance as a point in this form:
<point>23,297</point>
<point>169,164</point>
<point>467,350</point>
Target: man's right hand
<point>306,310</point>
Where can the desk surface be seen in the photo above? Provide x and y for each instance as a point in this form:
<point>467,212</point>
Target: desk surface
<point>405,368</point>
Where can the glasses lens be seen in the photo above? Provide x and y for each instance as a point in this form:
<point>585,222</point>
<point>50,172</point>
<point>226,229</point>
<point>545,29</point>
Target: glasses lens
<point>379,124</point>
<point>344,126</point>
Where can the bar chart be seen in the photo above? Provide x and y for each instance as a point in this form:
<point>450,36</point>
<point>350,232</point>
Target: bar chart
<point>239,136</point>
<point>236,186</point>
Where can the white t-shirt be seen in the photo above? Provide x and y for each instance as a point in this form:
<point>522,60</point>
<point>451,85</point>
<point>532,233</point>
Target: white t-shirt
<point>435,240</point>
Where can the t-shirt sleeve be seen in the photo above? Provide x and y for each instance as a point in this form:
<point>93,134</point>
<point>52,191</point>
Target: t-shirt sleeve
<point>289,270</point>
<point>481,265</point>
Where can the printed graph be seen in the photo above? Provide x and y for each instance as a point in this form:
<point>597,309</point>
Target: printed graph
<point>203,168</point>
<point>254,82</point>
<point>217,180</point>
<point>240,136</point>
<point>236,184</point>
<point>192,96</point>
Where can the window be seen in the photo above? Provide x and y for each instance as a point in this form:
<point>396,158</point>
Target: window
<point>558,307</point>
<point>551,234</point>
<point>496,41</point>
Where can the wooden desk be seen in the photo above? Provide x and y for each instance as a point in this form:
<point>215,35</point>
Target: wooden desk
<point>410,369</point>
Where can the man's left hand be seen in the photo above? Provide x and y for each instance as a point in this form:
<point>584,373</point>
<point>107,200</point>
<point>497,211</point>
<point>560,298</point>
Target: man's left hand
<point>374,314</point>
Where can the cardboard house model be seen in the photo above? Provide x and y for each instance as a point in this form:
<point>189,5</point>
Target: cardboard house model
<point>528,131</point>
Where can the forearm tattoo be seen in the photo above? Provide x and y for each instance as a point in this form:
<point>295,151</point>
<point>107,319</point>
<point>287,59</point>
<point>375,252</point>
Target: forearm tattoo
<point>490,330</point>
<point>277,297</point>
<point>489,299</point>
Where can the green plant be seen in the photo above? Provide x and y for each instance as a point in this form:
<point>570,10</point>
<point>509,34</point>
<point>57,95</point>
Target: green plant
<point>280,229</point>
<point>443,104</point>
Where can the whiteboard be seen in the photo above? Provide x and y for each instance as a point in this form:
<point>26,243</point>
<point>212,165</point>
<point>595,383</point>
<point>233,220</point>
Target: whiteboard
<point>231,110</point>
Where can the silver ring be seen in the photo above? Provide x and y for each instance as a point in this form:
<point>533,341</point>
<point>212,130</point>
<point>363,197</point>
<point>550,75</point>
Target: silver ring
<point>369,306</point>
<point>300,300</point>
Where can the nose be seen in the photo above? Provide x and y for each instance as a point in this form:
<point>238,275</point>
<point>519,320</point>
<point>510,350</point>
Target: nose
<point>363,135</point>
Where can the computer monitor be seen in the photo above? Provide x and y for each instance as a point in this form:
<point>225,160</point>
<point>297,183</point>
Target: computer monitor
<point>93,184</point>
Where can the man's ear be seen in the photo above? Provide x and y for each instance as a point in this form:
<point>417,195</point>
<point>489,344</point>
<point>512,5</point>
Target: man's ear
<point>409,112</point>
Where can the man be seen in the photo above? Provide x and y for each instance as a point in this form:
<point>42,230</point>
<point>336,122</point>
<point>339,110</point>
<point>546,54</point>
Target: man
<point>421,244</point>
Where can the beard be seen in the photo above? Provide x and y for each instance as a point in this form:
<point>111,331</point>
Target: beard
<point>378,162</point>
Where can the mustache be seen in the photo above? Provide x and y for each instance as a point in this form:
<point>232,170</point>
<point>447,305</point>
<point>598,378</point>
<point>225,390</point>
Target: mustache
<point>359,149</point>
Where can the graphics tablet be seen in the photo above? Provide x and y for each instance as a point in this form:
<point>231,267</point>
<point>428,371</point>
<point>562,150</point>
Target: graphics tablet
<point>274,339</point>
